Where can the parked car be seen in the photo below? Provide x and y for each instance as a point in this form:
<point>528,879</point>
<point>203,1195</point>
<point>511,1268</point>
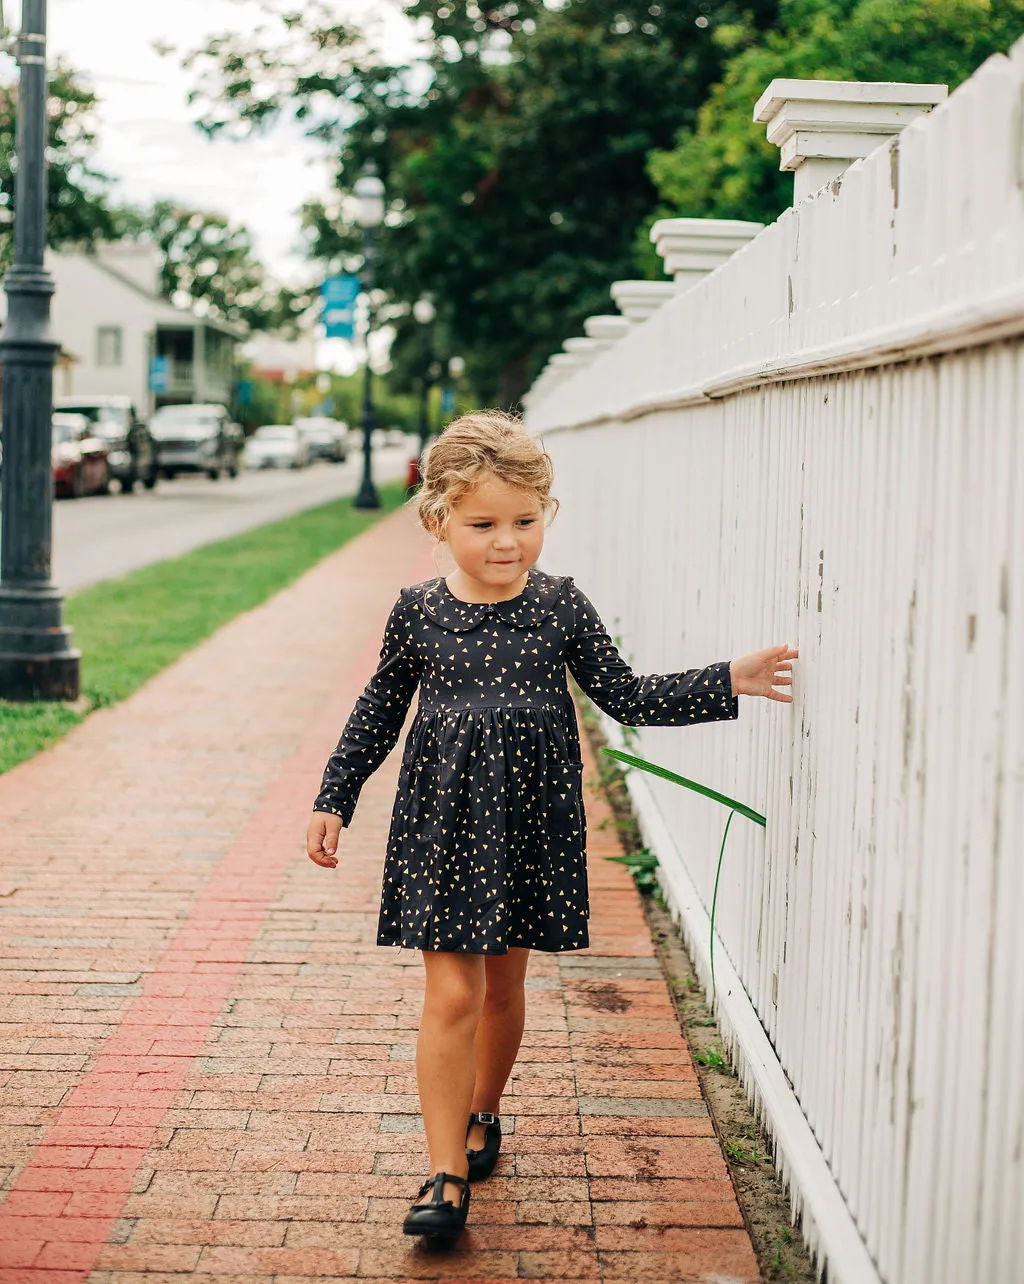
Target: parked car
<point>79,457</point>
<point>325,437</point>
<point>197,439</point>
<point>131,452</point>
<point>277,446</point>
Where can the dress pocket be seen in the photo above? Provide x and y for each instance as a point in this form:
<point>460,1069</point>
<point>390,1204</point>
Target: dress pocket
<point>423,799</point>
<point>566,826</point>
<point>564,811</point>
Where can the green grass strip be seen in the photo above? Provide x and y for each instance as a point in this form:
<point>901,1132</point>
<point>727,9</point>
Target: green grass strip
<point>130,628</point>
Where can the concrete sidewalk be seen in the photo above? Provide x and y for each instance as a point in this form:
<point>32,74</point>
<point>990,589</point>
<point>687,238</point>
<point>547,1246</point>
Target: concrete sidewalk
<point>207,1064</point>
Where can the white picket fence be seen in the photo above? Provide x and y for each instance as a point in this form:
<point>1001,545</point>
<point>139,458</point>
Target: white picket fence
<point>823,443</point>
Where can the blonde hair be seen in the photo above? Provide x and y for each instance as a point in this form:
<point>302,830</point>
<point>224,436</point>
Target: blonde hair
<point>472,446</point>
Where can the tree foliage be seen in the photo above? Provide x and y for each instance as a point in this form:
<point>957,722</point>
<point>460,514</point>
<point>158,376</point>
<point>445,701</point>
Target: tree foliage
<point>209,258</point>
<point>79,206</point>
<point>205,256</point>
<point>514,152</point>
<point>724,167</point>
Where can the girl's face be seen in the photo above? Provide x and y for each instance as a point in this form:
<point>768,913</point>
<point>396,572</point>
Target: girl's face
<point>496,533</point>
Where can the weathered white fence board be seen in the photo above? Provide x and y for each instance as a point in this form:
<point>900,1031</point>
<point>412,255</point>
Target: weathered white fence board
<point>822,443</point>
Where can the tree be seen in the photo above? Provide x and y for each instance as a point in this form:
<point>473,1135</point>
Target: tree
<point>205,256</point>
<point>726,168</point>
<point>514,153</point>
<point>208,258</point>
<point>79,208</point>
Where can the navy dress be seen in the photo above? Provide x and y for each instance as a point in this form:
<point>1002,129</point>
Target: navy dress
<point>487,847</point>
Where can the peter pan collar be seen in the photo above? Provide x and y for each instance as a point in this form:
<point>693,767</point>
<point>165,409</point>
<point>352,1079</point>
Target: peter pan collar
<point>526,611</point>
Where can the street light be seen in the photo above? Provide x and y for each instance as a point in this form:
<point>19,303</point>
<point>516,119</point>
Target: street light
<point>369,194</point>
<point>37,660</point>
<point>424,312</point>
<point>456,369</point>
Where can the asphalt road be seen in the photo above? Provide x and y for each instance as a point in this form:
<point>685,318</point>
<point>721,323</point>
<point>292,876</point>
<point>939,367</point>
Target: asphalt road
<point>106,535</point>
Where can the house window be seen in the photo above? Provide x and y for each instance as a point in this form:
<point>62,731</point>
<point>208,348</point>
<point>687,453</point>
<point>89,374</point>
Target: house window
<point>109,345</point>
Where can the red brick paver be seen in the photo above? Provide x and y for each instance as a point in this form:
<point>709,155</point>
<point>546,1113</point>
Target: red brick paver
<point>207,1064</point>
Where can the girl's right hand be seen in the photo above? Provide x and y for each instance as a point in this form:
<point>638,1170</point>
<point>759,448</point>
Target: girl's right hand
<point>322,839</point>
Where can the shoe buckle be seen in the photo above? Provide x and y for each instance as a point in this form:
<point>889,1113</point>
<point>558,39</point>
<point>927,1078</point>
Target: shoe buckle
<point>485,1117</point>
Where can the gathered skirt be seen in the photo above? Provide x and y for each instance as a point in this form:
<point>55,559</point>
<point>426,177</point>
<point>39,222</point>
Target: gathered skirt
<point>487,846</point>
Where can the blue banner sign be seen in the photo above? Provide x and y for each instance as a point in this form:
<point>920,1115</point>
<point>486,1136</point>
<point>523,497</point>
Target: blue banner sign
<point>339,295</point>
<point>159,374</point>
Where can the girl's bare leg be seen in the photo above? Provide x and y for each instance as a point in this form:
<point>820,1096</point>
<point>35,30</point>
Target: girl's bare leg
<point>445,1067</point>
<point>499,1033</point>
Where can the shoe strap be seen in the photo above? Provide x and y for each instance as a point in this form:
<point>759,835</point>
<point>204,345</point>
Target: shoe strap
<point>437,1181</point>
<point>484,1117</point>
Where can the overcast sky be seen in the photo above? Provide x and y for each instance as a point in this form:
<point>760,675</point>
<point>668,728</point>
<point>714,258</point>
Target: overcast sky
<point>147,139</point>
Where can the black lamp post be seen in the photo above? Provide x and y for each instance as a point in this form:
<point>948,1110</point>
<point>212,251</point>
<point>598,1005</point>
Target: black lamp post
<point>37,660</point>
<point>456,369</point>
<point>424,312</point>
<point>369,193</point>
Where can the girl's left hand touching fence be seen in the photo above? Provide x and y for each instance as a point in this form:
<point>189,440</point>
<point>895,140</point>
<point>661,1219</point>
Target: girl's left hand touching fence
<point>759,673</point>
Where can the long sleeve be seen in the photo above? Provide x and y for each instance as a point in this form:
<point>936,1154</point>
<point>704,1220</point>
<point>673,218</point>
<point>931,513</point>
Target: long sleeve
<point>376,721</point>
<point>659,700</point>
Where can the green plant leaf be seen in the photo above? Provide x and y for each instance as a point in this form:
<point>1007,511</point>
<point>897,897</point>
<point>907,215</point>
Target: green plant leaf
<point>644,859</point>
<point>715,796</point>
<point>676,779</point>
<point>714,904</point>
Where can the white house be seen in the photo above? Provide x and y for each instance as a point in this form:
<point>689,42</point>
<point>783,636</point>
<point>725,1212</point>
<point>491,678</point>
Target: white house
<point>109,316</point>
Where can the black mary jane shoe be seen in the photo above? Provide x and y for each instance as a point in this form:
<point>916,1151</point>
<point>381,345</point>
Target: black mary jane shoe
<point>439,1218</point>
<point>481,1162</point>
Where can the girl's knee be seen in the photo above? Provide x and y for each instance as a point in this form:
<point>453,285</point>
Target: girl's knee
<point>454,991</point>
<point>501,1002</point>
<point>506,979</point>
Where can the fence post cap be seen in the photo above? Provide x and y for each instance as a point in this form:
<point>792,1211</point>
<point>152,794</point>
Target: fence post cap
<point>702,230</point>
<point>821,126</point>
<point>846,95</point>
<point>692,247</point>
<point>606,329</point>
<point>578,344</point>
<point>637,300</point>
<point>566,363</point>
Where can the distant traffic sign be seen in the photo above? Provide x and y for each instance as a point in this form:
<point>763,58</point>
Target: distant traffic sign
<point>339,294</point>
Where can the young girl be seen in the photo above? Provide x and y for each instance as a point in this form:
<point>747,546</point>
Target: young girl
<point>486,858</point>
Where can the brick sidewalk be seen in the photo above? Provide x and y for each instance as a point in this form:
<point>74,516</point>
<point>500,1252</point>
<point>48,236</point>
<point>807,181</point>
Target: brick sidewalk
<point>207,1064</point>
